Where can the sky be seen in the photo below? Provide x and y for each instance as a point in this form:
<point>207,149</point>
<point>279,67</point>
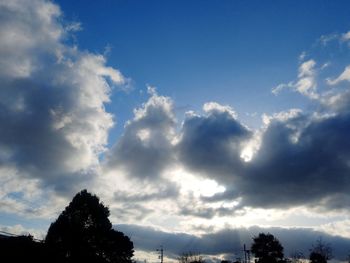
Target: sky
<point>198,123</point>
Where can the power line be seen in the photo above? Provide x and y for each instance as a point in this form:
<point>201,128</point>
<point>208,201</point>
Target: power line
<point>17,235</point>
<point>8,234</point>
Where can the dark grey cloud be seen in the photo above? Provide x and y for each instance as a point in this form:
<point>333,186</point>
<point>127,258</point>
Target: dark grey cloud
<point>202,212</point>
<point>212,144</point>
<point>194,207</point>
<point>312,169</point>
<point>129,210</point>
<point>33,145</point>
<point>206,212</point>
<point>230,241</point>
<point>302,160</point>
<point>163,191</point>
<point>145,149</point>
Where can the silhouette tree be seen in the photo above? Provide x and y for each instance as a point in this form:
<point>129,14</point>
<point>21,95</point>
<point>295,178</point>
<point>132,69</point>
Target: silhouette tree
<point>267,249</point>
<point>320,252</point>
<point>83,233</point>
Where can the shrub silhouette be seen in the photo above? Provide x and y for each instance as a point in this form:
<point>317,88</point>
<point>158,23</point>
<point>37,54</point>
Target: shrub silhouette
<point>83,233</point>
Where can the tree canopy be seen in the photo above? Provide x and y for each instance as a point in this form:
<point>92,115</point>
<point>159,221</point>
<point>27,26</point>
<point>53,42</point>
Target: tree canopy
<point>83,233</point>
<point>267,249</point>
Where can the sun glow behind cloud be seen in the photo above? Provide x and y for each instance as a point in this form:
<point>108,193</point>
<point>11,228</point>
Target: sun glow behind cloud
<point>195,185</point>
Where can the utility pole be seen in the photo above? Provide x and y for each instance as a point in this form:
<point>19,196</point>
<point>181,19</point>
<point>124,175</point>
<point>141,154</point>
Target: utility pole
<point>246,254</point>
<point>161,253</point>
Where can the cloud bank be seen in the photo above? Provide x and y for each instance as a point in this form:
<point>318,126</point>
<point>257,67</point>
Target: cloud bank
<point>301,158</point>
<point>228,243</point>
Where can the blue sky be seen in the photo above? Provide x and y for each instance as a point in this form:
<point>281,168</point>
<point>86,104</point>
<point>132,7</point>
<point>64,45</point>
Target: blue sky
<point>232,52</point>
<point>194,121</point>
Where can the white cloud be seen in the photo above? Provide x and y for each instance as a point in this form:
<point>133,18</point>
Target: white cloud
<point>95,64</point>
<point>212,107</point>
<point>20,21</point>
<point>20,230</point>
<point>346,36</point>
<point>325,65</point>
<point>276,90</point>
<point>305,84</point>
<point>344,76</point>
<point>281,116</point>
<point>73,27</point>
<point>251,147</point>
<point>326,39</point>
<point>194,185</point>
<point>337,228</point>
<point>302,56</point>
<point>336,102</point>
<point>307,68</point>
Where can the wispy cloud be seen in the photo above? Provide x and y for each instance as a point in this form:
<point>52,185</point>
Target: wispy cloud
<point>305,84</point>
<point>344,76</point>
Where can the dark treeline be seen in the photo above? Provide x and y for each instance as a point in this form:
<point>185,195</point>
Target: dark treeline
<point>83,233</point>
<point>266,248</point>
